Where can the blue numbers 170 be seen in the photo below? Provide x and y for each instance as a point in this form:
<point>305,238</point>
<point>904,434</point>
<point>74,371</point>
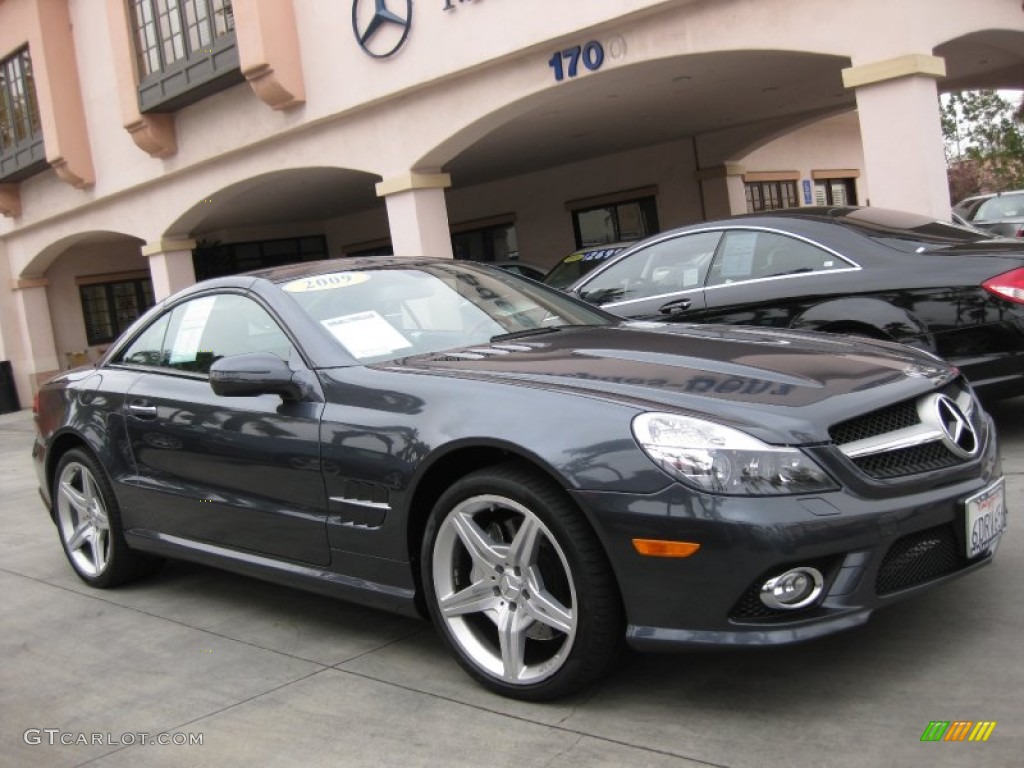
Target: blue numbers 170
<point>567,63</point>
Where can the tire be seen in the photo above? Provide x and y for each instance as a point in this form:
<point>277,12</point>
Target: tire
<point>89,524</point>
<point>518,585</point>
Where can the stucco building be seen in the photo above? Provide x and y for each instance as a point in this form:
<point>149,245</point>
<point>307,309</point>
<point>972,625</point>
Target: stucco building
<point>147,143</point>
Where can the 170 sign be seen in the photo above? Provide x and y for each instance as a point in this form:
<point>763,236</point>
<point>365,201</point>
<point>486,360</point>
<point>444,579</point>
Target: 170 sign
<point>566,64</point>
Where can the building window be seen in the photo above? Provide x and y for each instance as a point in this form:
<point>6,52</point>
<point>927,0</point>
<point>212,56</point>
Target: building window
<point>381,249</point>
<point>615,222</point>
<point>185,50</point>
<point>21,135</point>
<point>770,195</point>
<point>219,259</point>
<point>835,192</point>
<point>491,243</point>
<point>109,308</point>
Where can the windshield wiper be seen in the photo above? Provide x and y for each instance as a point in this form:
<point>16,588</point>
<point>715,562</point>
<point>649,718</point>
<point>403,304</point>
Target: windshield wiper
<point>526,332</point>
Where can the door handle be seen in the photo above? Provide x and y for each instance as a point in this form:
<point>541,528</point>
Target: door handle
<point>142,411</point>
<point>679,305</point>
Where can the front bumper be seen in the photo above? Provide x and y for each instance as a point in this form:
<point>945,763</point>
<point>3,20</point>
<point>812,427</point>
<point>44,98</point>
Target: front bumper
<point>873,551</point>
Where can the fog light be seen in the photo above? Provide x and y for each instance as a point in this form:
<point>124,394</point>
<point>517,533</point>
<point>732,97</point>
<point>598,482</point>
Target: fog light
<point>796,588</point>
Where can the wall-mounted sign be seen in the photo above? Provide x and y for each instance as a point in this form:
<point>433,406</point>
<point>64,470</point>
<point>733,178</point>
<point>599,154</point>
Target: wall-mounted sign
<point>380,31</point>
<point>566,64</point>
<point>807,191</point>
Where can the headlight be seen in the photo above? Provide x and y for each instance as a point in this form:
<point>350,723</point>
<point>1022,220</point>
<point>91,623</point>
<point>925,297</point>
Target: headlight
<point>719,459</point>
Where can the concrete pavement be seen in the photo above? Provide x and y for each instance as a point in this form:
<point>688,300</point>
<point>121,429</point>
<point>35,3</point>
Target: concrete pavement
<point>270,676</point>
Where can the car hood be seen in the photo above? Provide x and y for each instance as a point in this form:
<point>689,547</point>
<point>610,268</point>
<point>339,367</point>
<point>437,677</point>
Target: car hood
<point>806,381</point>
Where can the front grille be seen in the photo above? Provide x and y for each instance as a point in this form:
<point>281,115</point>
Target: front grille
<point>929,456</point>
<point>919,557</point>
<point>907,461</point>
<point>876,423</point>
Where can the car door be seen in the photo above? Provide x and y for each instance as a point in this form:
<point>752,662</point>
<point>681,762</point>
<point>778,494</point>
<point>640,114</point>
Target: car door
<point>768,278</point>
<point>239,472</point>
<point>664,279</point>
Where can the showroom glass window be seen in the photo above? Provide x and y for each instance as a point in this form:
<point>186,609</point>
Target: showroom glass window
<point>167,31</point>
<point>670,266</point>
<point>109,308</point>
<point>195,334</point>
<point>21,134</point>
<point>835,192</point>
<point>491,243</point>
<point>221,259</point>
<point>770,195</point>
<point>615,222</point>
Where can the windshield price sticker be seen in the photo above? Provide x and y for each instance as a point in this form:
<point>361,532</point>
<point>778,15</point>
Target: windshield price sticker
<point>366,334</point>
<point>986,518</point>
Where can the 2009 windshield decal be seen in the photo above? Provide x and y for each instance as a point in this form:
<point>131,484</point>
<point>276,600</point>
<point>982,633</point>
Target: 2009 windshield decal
<point>566,63</point>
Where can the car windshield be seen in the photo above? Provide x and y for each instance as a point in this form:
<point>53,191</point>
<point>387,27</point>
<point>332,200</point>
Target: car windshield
<point>383,314</point>
<point>576,265</point>
<point>909,232</point>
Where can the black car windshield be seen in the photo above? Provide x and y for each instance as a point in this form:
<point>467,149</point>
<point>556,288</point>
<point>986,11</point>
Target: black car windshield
<point>909,231</point>
<point>576,265</point>
<point>381,314</point>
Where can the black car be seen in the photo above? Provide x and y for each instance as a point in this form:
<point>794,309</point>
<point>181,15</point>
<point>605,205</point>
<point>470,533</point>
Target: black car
<point>581,262</point>
<point>541,479</point>
<point>1001,213</point>
<point>870,272</point>
<point>524,268</point>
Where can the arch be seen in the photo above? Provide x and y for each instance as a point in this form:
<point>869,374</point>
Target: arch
<point>295,194</point>
<point>45,258</point>
<point>760,93</point>
<point>989,58</point>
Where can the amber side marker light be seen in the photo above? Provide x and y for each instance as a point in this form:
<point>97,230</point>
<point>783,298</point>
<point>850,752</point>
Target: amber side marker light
<point>659,548</point>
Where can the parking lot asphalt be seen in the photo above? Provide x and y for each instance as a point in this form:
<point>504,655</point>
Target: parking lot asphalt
<point>266,675</point>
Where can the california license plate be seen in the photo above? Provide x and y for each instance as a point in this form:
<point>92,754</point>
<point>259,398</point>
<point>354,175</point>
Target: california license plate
<point>986,518</point>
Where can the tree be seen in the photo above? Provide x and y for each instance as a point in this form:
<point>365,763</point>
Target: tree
<point>984,136</point>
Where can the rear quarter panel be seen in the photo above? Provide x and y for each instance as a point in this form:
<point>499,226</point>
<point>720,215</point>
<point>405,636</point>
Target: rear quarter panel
<point>84,408</point>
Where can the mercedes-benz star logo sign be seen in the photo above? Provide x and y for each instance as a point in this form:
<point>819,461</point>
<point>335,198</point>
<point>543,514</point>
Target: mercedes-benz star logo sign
<point>383,32</point>
<point>957,431</point>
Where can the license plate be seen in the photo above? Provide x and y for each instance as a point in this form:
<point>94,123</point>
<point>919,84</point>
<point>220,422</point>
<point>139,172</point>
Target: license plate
<point>986,518</point>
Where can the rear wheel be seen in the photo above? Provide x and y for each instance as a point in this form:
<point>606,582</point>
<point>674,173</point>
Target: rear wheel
<point>89,523</point>
<point>519,586</point>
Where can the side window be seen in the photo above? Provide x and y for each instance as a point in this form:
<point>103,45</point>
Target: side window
<point>206,329</point>
<point>751,255</point>
<point>669,266</point>
<point>148,348</point>
<point>195,334</point>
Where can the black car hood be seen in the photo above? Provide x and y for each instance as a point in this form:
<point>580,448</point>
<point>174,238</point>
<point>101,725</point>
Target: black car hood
<point>738,375</point>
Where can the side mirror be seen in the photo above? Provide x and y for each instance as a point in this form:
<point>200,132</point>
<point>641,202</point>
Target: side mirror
<point>254,373</point>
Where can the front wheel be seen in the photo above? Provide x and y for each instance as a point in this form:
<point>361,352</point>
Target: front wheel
<point>519,586</point>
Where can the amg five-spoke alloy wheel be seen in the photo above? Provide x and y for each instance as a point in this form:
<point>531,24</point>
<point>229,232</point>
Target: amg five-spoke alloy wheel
<point>519,586</point>
<point>89,524</point>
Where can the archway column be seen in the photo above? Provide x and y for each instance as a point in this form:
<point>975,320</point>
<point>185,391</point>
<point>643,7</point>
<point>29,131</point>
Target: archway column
<point>39,350</point>
<point>901,130</point>
<point>170,266</point>
<point>418,214</point>
<point>721,188</point>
